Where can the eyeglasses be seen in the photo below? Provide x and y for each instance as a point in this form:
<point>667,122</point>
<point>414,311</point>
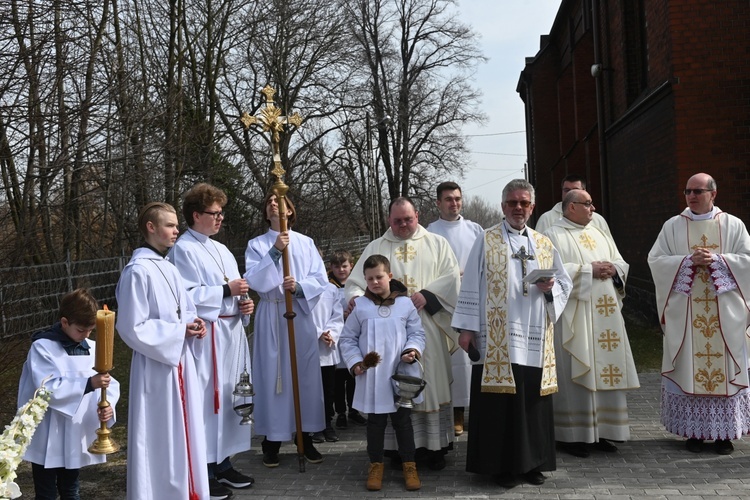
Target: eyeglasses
<point>517,203</point>
<point>696,191</point>
<point>587,204</point>
<point>215,215</point>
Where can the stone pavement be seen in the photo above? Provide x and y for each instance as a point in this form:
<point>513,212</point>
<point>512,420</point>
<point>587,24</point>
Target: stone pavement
<point>653,464</point>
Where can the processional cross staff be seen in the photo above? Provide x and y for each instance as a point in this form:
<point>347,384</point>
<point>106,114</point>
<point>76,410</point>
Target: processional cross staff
<point>272,121</point>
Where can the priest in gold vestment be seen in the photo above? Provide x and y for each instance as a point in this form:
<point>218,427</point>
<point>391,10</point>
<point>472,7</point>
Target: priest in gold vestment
<point>701,268</point>
<point>594,361</point>
<point>506,326</point>
<point>425,263</point>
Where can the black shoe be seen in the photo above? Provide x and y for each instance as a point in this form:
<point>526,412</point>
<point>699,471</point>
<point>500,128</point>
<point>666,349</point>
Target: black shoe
<point>505,480</point>
<point>317,437</point>
<point>341,421</point>
<point>330,435</point>
<point>357,418</point>
<point>605,446</point>
<point>694,445</point>
<point>271,459</point>
<point>312,455</point>
<point>534,477</point>
<point>234,479</point>
<point>723,446</point>
<point>218,491</point>
<point>575,449</point>
<point>437,461</point>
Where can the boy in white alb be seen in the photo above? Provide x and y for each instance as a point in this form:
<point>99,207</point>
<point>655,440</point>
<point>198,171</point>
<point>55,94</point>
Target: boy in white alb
<point>383,321</point>
<point>63,352</point>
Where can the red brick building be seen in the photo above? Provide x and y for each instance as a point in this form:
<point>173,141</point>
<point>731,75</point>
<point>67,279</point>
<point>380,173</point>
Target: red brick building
<point>638,95</point>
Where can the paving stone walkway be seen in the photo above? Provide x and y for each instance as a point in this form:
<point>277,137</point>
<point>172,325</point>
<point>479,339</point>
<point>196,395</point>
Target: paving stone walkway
<point>653,464</point>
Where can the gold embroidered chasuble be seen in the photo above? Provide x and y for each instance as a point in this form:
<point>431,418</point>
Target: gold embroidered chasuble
<point>497,375</point>
<point>423,262</point>
<point>704,310</point>
<point>592,327</point>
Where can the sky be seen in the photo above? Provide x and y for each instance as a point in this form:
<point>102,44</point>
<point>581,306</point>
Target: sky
<point>510,31</point>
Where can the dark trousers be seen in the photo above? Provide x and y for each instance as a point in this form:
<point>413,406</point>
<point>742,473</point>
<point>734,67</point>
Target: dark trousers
<point>49,482</point>
<point>343,390</point>
<point>401,422</point>
<point>328,374</point>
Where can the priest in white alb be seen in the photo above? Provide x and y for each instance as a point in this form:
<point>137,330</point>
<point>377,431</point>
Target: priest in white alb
<point>701,269</point>
<point>513,290</point>
<point>460,233</point>
<point>594,361</point>
<point>426,265</point>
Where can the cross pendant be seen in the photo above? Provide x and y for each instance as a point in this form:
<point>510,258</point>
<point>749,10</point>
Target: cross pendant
<point>226,280</point>
<point>523,257</point>
<point>179,312</point>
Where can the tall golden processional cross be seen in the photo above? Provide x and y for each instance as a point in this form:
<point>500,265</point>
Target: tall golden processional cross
<point>273,121</point>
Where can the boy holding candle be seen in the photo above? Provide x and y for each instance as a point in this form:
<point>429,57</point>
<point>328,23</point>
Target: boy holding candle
<point>60,444</point>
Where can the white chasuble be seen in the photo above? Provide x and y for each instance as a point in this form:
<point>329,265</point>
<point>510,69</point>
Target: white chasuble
<point>592,327</point>
<point>704,310</point>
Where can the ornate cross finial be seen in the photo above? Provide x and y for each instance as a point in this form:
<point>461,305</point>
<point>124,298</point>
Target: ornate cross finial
<point>272,121</point>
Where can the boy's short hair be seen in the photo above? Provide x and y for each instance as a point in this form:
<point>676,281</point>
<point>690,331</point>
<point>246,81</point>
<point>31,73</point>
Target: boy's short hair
<point>79,307</point>
<point>376,260</point>
<point>200,197</point>
<point>338,257</point>
<point>151,213</point>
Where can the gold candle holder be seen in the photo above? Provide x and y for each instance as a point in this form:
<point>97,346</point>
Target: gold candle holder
<point>105,337</point>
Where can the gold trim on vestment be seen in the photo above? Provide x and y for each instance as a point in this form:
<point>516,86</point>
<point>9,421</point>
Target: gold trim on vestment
<point>497,374</point>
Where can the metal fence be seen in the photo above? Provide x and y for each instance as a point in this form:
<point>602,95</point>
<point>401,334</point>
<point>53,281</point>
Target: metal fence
<point>30,295</point>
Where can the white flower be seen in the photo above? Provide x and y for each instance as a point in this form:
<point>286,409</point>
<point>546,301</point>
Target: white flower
<point>16,438</point>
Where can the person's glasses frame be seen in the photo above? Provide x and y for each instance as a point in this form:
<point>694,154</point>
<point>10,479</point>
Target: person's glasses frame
<point>215,215</point>
<point>698,192</point>
<point>516,203</point>
<point>587,204</point>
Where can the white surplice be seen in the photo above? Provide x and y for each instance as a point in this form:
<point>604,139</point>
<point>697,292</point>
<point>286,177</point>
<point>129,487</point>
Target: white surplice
<point>704,313</point>
<point>272,373</point>
<point>460,234</point>
<point>166,436</point>
<point>594,360</point>
<point>527,315</point>
<point>389,331</point>
<point>69,427</point>
<point>328,315</point>
<point>423,262</point>
<point>204,264</point>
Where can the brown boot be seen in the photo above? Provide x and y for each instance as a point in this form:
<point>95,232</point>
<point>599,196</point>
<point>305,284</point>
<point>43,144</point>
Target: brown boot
<point>458,421</point>
<point>375,476</point>
<point>410,476</point>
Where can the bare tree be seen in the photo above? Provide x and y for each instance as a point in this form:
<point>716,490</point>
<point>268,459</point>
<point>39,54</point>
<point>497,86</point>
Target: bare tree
<point>419,58</point>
